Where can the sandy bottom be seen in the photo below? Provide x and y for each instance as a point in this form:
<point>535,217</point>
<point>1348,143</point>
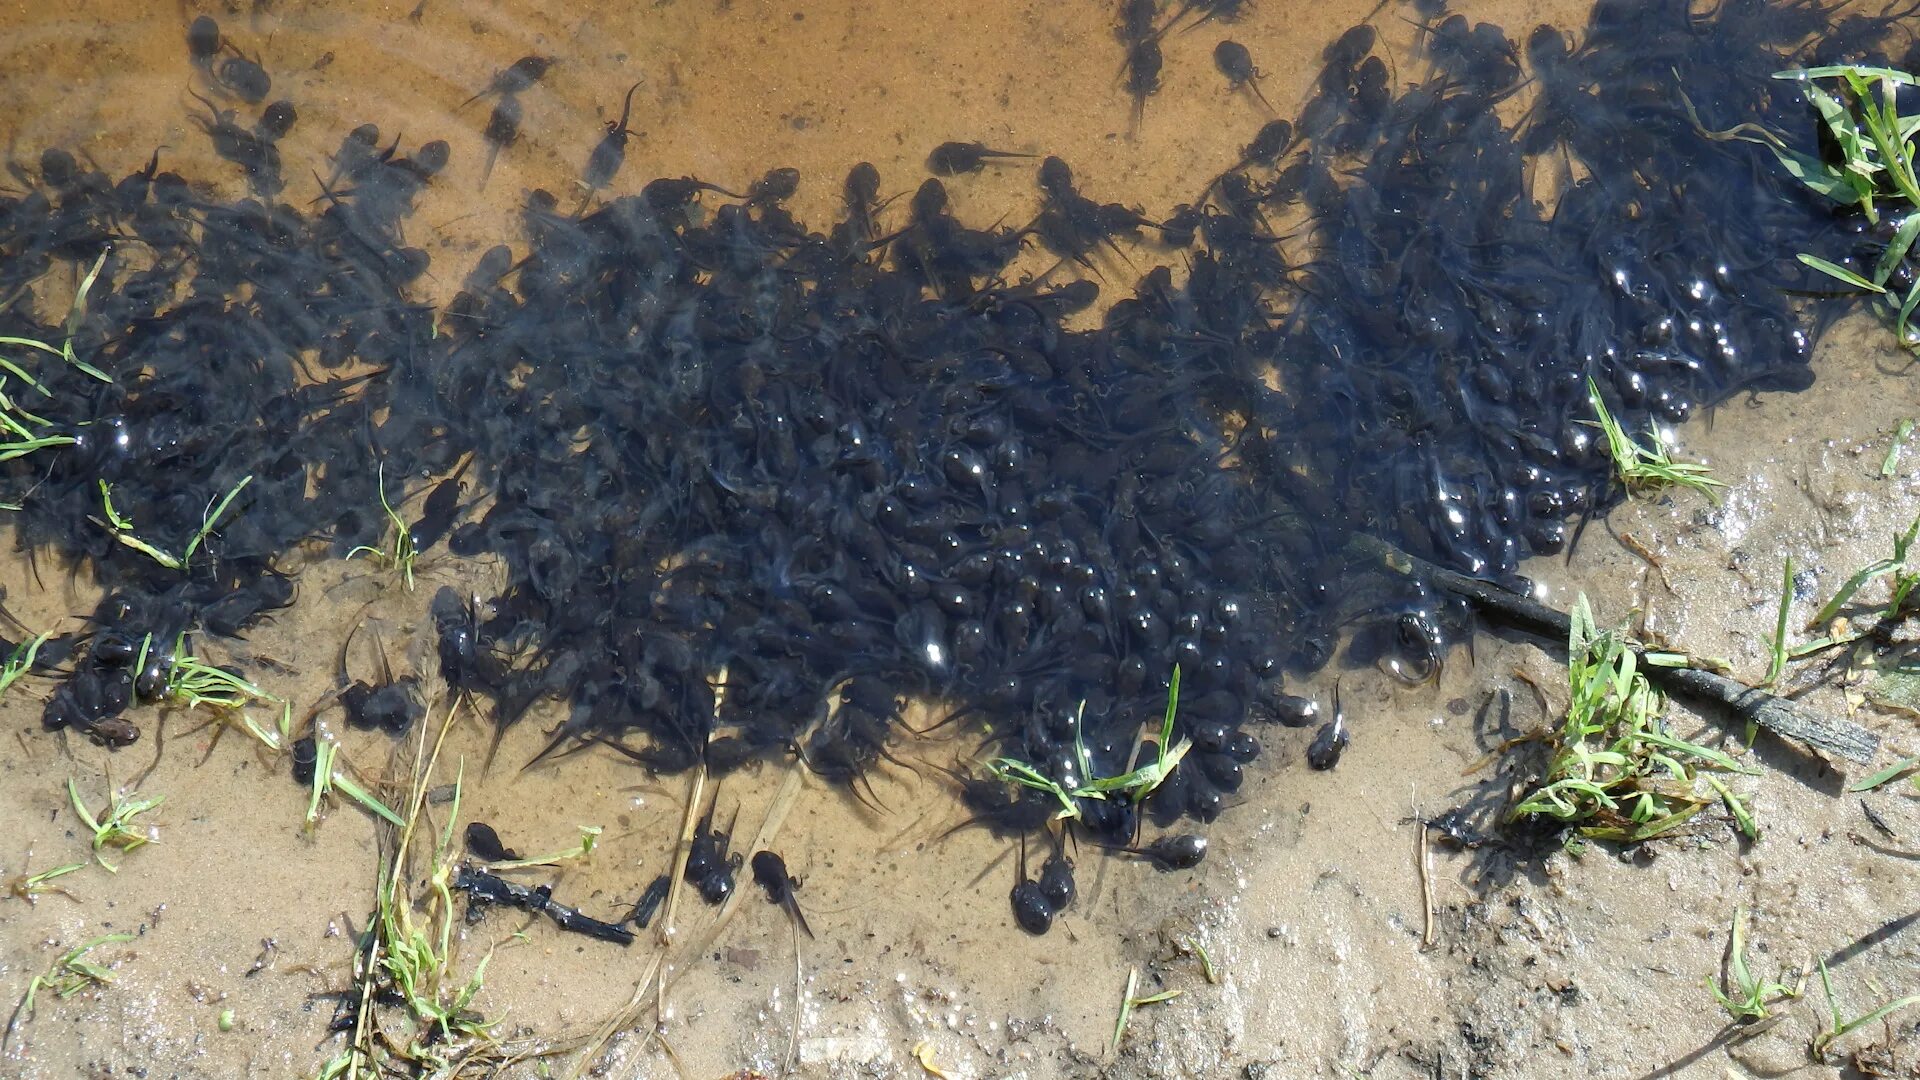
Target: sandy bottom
<point>1310,906</point>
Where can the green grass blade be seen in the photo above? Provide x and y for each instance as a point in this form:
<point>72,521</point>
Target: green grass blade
<point>1126,1008</point>
<point>1834,71</point>
<point>1886,775</point>
<point>24,377</point>
<point>1846,134</point>
<point>80,808</point>
<point>1900,436</point>
<point>1854,584</point>
<point>1901,319</point>
<point>206,526</point>
<point>1777,661</point>
<point>9,451</point>
<point>1897,248</point>
<point>358,794</point>
<point>30,343</point>
<point>1842,273</point>
<point>322,778</point>
<point>78,312</point>
<point>79,309</point>
<point>1741,815</point>
<point>1819,177</point>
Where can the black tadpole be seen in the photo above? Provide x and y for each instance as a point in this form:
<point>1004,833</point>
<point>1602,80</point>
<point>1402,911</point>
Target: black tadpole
<point>1032,909</point>
<point>502,131</point>
<point>1777,714</point>
<point>954,158</point>
<point>486,844</point>
<point>1331,740</point>
<point>770,871</point>
<point>521,74</point>
<point>607,157</point>
<point>1236,63</point>
<point>1183,851</point>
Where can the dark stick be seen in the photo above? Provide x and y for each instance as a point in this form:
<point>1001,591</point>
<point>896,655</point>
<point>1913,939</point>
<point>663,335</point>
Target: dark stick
<point>489,888</point>
<point>1840,738</point>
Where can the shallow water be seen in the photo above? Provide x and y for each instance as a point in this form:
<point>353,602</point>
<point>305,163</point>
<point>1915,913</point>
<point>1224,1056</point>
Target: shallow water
<point>725,92</point>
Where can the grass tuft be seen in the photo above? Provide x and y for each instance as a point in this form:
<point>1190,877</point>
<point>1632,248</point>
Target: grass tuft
<point>1858,106</point>
<point>69,975</point>
<point>1134,785</point>
<point>398,551</point>
<point>1616,773</point>
<point>1644,468</point>
<point>1745,996</point>
<point>1837,1028</point>
<point>114,826</point>
<point>405,960</point>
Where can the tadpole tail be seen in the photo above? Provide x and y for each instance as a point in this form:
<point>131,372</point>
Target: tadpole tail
<point>486,170</point>
<point>1262,98</point>
<point>793,910</point>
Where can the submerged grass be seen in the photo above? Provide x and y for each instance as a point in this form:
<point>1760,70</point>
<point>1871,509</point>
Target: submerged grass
<point>1891,463</point>
<point>327,777</point>
<point>1887,775</point>
<point>114,826</point>
<point>1904,571</point>
<point>398,552</point>
<point>1616,773</point>
<point>1646,467</point>
<point>21,431</point>
<point>31,887</point>
<point>589,838</point>
<point>69,975</point>
<point>1134,784</point>
<point>20,661</point>
<point>1128,1003</point>
<point>122,527</point>
<point>406,954</point>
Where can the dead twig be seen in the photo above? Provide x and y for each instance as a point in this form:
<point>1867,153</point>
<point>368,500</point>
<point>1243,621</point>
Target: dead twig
<point>1777,714</point>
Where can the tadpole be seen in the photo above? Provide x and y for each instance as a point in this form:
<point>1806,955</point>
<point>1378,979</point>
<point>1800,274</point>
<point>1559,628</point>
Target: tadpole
<point>484,844</point>
<point>954,158</point>
<point>518,76</point>
<point>1236,63</point>
<point>502,131</point>
<point>1031,909</point>
<point>203,41</point>
<point>1331,740</point>
<point>770,871</point>
<point>611,152</point>
<point>650,901</point>
<point>1183,851</point>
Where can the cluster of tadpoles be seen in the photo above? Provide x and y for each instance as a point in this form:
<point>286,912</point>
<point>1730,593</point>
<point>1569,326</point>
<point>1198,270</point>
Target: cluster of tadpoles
<point>852,466</point>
